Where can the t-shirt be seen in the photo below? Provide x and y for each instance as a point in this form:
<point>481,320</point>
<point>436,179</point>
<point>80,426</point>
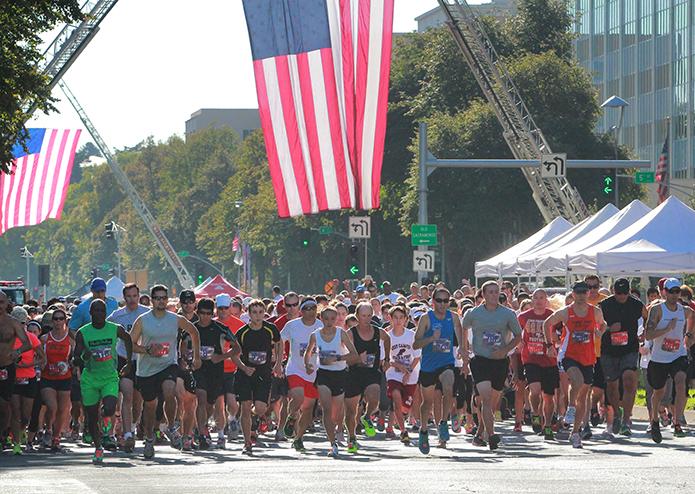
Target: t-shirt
<point>162,334</point>
<point>126,318</point>
<point>280,323</point>
<point>534,350</point>
<point>297,334</point>
<point>210,344</point>
<point>27,357</point>
<point>81,316</point>
<point>101,343</point>
<point>618,343</point>
<point>234,324</point>
<point>257,346</point>
<point>402,352</point>
<point>491,329</point>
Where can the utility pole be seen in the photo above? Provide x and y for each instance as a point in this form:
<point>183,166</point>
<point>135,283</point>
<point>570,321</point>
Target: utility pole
<point>24,252</point>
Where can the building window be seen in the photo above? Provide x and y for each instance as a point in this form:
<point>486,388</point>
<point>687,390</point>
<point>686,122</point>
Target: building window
<point>628,90</point>
<point>644,84</point>
<point>646,18</point>
<point>645,134</point>
<point>662,76</point>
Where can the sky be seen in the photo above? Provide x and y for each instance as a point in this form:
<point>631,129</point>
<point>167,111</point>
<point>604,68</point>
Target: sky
<point>155,62</point>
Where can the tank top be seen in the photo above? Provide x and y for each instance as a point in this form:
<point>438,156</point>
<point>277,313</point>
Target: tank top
<point>161,333</point>
<point>371,347</point>
<point>57,358</point>
<point>439,353</point>
<point>101,343</point>
<point>669,347</point>
<point>578,343</point>
<point>330,349</point>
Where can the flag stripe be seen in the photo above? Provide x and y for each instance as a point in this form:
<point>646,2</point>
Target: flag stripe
<point>51,162</point>
<point>63,181</point>
<point>361,94</point>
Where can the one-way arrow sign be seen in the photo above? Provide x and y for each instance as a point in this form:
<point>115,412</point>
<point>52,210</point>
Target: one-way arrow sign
<point>360,227</point>
<point>423,260</point>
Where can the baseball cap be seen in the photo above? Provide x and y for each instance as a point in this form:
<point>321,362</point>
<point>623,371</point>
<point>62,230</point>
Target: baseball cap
<point>223,300</point>
<point>580,287</point>
<point>98,285</point>
<point>622,286</point>
<point>34,323</point>
<point>21,315</point>
<point>247,301</point>
<point>669,284</point>
<point>308,304</point>
<point>187,296</point>
<point>360,288</point>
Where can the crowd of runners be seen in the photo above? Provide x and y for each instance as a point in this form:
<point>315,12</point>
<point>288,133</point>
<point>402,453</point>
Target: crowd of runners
<point>203,373</point>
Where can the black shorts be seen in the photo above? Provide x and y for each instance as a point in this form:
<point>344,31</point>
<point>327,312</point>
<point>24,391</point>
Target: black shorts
<point>253,388</point>
<point>228,383</point>
<point>549,377</point>
<point>486,369</point>
<point>357,380</point>
<point>333,380</point>
<point>278,388</point>
<point>57,384</point>
<point>133,367</point>
<point>463,390</point>
<point>427,379</point>
<point>7,377</point>
<point>26,388</point>
<point>188,379</point>
<point>211,381</point>
<point>658,373</point>
<point>150,387</point>
<point>586,370</point>
<point>598,380</point>
<point>75,389</point>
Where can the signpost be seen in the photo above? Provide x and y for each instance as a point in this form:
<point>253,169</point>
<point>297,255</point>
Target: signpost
<point>360,227</point>
<point>423,235</point>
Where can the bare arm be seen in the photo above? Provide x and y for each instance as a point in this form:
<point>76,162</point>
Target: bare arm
<point>352,356</point>
<point>188,327</point>
<point>135,334</point>
<point>653,318</point>
<point>422,326</point>
<point>387,346</point>
<point>557,317</point>
<point>21,333</point>
<point>307,353</point>
<point>602,326</point>
<point>123,335</point>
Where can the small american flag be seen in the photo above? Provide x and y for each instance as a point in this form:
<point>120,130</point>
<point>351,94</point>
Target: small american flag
<point>235,243</point>
<point>35,189</point>
<point>662,172</point>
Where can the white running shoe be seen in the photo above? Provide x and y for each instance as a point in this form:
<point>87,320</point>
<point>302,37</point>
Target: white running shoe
<point>569,416</point>
<point>576,440</point>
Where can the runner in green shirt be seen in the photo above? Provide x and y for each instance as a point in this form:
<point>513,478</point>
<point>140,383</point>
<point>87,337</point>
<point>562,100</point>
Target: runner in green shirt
<point>95,352</point>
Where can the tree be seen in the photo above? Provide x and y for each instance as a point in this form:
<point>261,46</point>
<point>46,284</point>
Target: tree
<point>83,154</point>
<point>22,84</point>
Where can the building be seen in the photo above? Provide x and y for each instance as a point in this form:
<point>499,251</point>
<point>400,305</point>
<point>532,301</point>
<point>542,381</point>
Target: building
<point>643,51</point>
<point>496,8</point>
<point>242,120</point>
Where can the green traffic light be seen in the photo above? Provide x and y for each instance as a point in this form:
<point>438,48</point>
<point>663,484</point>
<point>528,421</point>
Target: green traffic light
<point>200,279</point>
<point>354,269</point>
<point>305,243</point>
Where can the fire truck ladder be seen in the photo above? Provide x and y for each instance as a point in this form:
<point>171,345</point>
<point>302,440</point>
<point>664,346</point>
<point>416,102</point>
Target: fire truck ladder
<point>554,196</point>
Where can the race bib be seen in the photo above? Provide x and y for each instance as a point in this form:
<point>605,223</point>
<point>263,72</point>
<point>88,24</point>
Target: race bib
<point>403,360</point>
<point>492,338</point>
<point>619,338</point>
<point>206,352</point>
<point>4,375</point>
<point>325,357</point>
<point>580,337</point>
<point>58,368</point>
<point>670,344</point>
<point>371,358</point>
<point>258,358</point>
<point>22,381</point>
<point>441,346</point>
<point>302,349</point>
<point>159,349</point>
<point>536,348</point>
<point>101,354</point>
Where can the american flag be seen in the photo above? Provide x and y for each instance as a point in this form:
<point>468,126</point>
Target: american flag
<point>36,188</point>
<point>662,172</point>
<point>322,97</point>
<point>235,243</point>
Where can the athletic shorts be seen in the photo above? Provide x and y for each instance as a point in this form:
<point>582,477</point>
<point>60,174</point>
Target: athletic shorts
<point>486,369</point>
<point>133,368</point>
<point>407,392</point>
<point>658,373</point>
<point>310,390</point>
<point>57,384</point>
<point>7,376</point>
<point>358,380</point>
<point>427,379</point>
<point>26,387</point>
<point>278,388</point>
<point>188,380</point>
<point>151,386</point>
<point>255,387</point>
<point>549,377</point>
<point>75,390</point>
<point>598,381</point>
<point>586,370</point>
<point>93,392</point>
<point>228,383</point>
<point>333,380</point>
<point>463,390</point>
<point>211,381</point>
<point>613,367</point>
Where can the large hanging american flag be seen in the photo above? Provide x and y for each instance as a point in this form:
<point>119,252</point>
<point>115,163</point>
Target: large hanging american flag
<point>38,184</point>
<point>662,172</point>
<point>322,74</point>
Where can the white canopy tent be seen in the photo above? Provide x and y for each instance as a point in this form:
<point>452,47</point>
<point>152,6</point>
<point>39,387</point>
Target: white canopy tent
<point>579,256</point>
<point>114,288</point>
<point>504,264</point>
<point>660,243</point>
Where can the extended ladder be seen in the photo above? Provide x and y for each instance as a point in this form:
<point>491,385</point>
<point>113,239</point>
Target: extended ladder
<point>555,196</point>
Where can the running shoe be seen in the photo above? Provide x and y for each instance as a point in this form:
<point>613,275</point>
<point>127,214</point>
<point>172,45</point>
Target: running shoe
<point>158,437</point>
<point>16,449</point>
<point>87,438</point>
<point>494,441</point>
<point>298,445</point>
<point>595,417</point>
<point>479,441</point>
<point>340,437</point>
<point>221,441</point>
<point>608,434</point>
<point>380,424</point>
<point>248,449</point>
<point>129,444</point>
<point>187,444</point>
<point>586,432</point>
<point>423,443</point>
<point>108,443</point>
<point>665,418</point>
<point>548,434</point>
<point>625,429</point>
<point>655,432</point>
<point>405,438</point>
<point>390,434</point>
<point>678,431</point>
<point>288,429</point>
<point>536,423</point>
<point>618,420</point>
<point>47,440</point>
<point>443,430</point>
<point>279,436</point>
<point>517,427</point>
<point>334,450</point>
<point>352,446</point>
<point>148,452</point>
<point>527,416</point>
<point>98,457</point>
<point>415,427</point>
<point>234,429</point>
<point>262,426</point>
<point>55,445</point>
<point>204,442</point>
<point>569,416</point>
<point>369,429</point>
<point>456,424</point>
<point>576,440</point>
<point>469,429</point>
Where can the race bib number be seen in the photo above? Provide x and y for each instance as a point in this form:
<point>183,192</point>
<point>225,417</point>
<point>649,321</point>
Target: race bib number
<point>492,338</point>
<point>619,338</point>
<point>580,337</point>
<point>371,358</point>
<point>441,346</point>
<point>4,375</point>
<point>101,354</point>
<point>258,358</point>
<point>159,349</point>
<point>670,344</point>
<point>325,358</point>
<point>58,368</point>
<point>206,352</point>
<point>20,381</point>
<point>403,360</point>
<point>536,348</point>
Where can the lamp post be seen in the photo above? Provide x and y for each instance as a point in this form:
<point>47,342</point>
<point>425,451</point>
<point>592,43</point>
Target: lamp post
<point>24,252</point>
<point>616,102</point>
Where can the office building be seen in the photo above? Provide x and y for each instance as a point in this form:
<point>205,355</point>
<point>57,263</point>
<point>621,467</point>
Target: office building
<point>242,120</point>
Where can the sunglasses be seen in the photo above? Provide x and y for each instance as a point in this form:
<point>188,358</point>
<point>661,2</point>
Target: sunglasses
<point>442,300</point>
<point>292,305</point>
<point>165,297</point>
<point>592,287</point>
<point>59,319</point>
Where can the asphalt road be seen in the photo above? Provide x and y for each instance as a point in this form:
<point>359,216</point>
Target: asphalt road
<point>524,463</point>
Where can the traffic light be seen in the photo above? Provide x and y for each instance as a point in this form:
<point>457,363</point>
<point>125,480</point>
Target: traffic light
<point>94,273</point>
<point>607,184</point>
<point>108,229</point>
<point>354,267</point>
<point>200,279</point>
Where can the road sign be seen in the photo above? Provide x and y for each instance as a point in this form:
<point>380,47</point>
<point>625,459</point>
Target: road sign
<point>325,230</point>
<point>360,227</point>
<point>423,235</point>
<point>553,165</point>
<point>644,178</point>
<point>423,260</point>
<point>607,184</point>
<point>184,253</point>
<point>354,269</point>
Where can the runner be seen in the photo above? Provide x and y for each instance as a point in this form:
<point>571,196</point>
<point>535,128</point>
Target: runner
<point>261,345</point>
<point>577,355</point>
<point>279,385</point>
<point>331,343</point>
<point>670,328</point>
<point>131,404</point>
<point>496,332</point>
<point>185,382</point>
<point>95,348</point>
<point>81,315</point>
<point>154,336</point>
<point>302,392</point>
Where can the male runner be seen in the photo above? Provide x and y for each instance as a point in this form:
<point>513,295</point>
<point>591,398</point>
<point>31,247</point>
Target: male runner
<point>496,332</point>
<point>185,382</point>
<point>279,386</point>
<point>95,349</point>
<point>154,336</point>
<point>81,315</point>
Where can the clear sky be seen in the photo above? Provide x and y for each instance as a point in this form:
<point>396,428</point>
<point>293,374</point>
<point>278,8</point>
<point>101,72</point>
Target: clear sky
<point>155,62</point>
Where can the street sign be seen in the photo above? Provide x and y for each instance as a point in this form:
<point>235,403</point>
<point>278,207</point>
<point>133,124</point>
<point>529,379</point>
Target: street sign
<point>644,178</point>
<point>423,260</point>
<point>553,165</point>
<point>423,235</point>
<point>607,184</point>
<point>184,253</point>
<point>354,270</point>
<point>325,230</point>
<point>360,227</point>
